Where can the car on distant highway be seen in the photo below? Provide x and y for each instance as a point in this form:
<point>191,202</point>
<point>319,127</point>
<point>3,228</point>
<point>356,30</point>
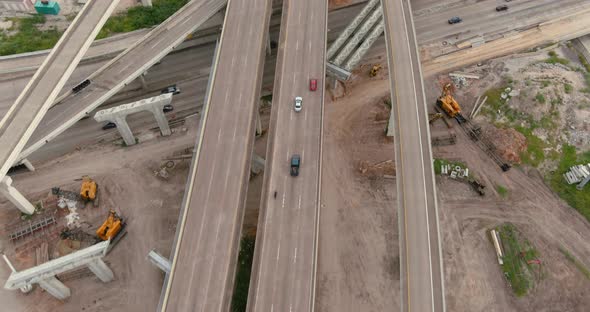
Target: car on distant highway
<point>313,84</point>
<point>168,108</point>
<point>109,125</point>
<point>295,163</point>
<point>501,8</point>
<point>298,103</point>
<point>171,89</point>
<point>455,20</point>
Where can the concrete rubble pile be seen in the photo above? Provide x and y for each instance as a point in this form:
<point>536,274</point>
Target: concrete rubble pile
<point>454,172</point>
<point>577,174</point>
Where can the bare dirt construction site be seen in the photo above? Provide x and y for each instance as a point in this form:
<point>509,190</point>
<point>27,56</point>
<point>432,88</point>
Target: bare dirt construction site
<point>358,264</point>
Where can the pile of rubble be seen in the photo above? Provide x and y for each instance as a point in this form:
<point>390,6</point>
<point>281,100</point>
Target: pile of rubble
<point>454,172</point>
<point>509,143</point>
<point>577,174</point>
<point>462,174</point>
<point>385,169</point>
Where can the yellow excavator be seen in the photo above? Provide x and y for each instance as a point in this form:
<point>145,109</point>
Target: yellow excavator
<point>374,70</point>
<point>89,190</point>
<point>113,229</point>
<point>447,102</point>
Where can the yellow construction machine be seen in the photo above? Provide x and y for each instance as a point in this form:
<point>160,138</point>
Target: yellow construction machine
<point>447,102</point>
<point>374,70</point>
<point>113,229</point>
<point>89,190</point>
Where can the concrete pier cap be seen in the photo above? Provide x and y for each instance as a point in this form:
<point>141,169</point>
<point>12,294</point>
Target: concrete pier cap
<point>119,114</point>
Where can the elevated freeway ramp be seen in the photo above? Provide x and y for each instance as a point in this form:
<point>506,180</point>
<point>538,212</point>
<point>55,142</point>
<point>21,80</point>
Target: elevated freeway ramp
<point>17,126</point>
<point>207,243</point>
<point>421,272</point>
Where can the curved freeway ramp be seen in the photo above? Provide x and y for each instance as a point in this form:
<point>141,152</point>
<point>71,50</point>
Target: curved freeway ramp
<point>421,272</point>
<point>17,126</point>
<point>120,71</point>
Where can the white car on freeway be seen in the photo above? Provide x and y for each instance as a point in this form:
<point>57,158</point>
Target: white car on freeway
<point>298,103</point>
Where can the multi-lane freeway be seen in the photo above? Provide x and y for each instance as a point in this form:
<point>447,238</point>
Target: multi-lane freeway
<point>207,242</point>
<point>18,124</point>
<point>481,18</point>
<point>283,275</point>
<point>420,257</point>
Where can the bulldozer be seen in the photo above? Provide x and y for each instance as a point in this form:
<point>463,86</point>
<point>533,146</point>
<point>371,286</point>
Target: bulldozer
<point>447,102</point>
<point>113,229</point>
<point>89,191</point>
<point>374,70</point>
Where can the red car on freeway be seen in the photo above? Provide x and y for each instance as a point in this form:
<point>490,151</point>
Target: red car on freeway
<point>313,84</point>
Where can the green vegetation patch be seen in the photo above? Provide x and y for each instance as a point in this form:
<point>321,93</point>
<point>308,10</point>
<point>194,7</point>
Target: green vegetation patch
<point>579,200</point>
<point>28,37</point>
<point>587,80</point>
<point>438,163</point>
<point>584,62</point>
<point>502,190</point>
<point>139,17</point>
<point>576,262</point>
<point>534,154</point>
<point>568,88</point>
<point>554,59</point>
<point>266,99</point>
<point>245,258</point>
<point>520,272</point>
<point>540,98</point>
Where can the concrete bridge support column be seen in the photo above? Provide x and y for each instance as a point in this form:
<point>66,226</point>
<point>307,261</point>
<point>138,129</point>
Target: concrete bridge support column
<point>101,270</point>
<point>144,85</point>
<point>161,120</point>
<point>56,288</point>
<point>124,130</point>
<point>15,196</point>
<point>28,164</point>
<point>258,124</point>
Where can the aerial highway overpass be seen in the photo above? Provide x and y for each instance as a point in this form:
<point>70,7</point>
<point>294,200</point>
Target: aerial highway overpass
<point>123,69</point>
<point>206,247</point>
<point>421,272</point>
<point>283,274</point>
<point>526,14</point>
<point>18,124</point>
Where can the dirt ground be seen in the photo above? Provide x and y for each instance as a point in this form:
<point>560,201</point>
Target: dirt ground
<point>358,259</point>
<point>127,183</point>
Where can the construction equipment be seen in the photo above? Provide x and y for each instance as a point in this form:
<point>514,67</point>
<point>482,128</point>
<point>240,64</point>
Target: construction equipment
<point>447,102</point>
<point>89,191</point>
<point>112,229</point>
<point>374,70</point>
<point>477,186</point>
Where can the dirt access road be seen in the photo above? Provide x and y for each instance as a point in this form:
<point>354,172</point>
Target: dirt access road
<point>358,265</point>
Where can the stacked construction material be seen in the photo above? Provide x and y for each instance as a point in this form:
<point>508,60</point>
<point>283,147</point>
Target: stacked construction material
<point>577,174</point>
<point>454,172</point>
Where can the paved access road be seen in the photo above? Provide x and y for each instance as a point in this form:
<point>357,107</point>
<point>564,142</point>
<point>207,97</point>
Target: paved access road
<point>420,258</point>
<point>17,126</point>
<point>124,68</point>
<point>283,275</point>
<point>205,255</point>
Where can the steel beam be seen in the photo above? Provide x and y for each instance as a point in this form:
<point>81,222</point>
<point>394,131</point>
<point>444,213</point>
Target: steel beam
<point>349,30</point>
<point>352,44</point>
